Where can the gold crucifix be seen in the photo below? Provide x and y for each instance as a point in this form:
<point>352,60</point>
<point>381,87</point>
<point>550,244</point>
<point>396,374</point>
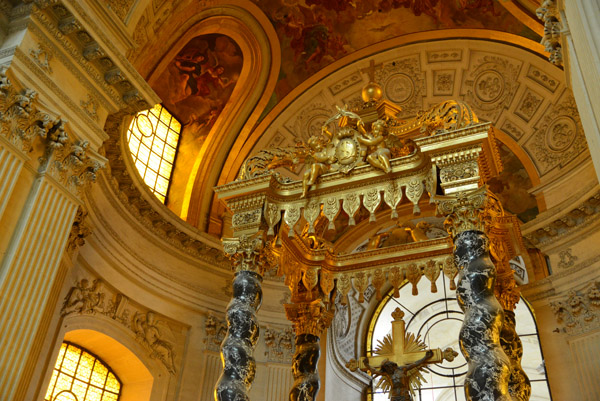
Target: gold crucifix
<point>370,70</point>
<point>400,351</point>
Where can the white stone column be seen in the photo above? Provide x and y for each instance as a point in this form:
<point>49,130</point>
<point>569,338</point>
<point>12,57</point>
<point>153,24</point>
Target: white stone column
<point>581,53</point>
<point>52,180</point>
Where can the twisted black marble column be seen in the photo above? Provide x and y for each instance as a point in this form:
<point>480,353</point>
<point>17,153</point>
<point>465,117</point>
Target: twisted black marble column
<point>239,366</point>
<point>519,386</point>
<point>489,367</point>
<point>304,368</point>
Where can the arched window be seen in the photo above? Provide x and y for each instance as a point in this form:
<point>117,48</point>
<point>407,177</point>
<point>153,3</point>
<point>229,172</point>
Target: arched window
<point>437,318</point>
<point>81,376</point>
<point>153,136</point>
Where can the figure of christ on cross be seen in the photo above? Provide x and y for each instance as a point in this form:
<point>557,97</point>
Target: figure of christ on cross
<point>399,359</point>
<point>398,378</point>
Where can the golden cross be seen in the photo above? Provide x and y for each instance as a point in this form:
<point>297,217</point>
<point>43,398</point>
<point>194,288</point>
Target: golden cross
<point>399,354</point>
<point>370,70</point>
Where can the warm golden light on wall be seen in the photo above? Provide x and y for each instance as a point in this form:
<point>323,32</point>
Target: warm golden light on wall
<point>80,376</point>
<point>152,136</point>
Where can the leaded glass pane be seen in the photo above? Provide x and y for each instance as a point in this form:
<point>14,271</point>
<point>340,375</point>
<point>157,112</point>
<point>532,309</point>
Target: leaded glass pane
<point>153,136</point>
<point>437,319</point>
<point>80,376</point>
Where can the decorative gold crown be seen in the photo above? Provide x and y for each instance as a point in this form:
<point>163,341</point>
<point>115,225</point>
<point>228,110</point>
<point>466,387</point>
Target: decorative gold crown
<point>397,314</point>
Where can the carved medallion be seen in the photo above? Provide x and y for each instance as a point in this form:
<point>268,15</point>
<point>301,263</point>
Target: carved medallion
<point>561,134</point>
<point>489,86</point>
<point>399,88</point>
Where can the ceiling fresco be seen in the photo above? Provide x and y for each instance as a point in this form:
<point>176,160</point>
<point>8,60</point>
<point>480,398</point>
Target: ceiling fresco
<point>314,33</point>
<point>195,86</point>
<point>198,82</point>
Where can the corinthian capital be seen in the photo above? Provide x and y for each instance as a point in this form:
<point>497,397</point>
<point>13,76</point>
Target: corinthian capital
<point>309,317</point>
<point>471,210</point>
<point>70,163</point>
<point>246,252</point>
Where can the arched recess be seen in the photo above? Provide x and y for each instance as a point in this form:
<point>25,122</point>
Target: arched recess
<point>352,334</point>
<point>537,85</point>
<point>142,378</point>
<point>251,30</point>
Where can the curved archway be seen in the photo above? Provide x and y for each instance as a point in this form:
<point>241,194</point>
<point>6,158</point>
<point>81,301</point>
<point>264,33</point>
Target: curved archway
<point>247,26</point>
<point>436,319</point>
<point>142,378</point>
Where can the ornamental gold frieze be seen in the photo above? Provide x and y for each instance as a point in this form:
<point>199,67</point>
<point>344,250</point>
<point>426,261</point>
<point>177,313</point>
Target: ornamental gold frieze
<point>329,259</point>
<point>312,273</point>
<point>474,142</point>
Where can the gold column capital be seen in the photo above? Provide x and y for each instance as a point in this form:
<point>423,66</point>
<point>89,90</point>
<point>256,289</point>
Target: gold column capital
<point>309,317</point>
<point>246,252</point>
<point>470,210</point>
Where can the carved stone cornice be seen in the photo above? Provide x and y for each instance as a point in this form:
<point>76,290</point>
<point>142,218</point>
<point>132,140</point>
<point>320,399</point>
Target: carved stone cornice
<point>563,223</point>
<point>129,194</point>
<point>309,317</point>
<point>65,21</point>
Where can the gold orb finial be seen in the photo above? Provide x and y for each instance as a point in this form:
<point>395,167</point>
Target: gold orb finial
<point>372,92</point>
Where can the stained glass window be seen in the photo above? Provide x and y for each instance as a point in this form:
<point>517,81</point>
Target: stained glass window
<point>437,319</point>
<point>80,376</point>
<point>152,137</point>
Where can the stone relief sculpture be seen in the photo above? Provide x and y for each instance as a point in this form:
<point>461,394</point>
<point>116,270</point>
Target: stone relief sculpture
<point>155,335</point>
<point>84,298</point>
<point>280,344</point>
<point>215,330</point>
<point>147,331</point>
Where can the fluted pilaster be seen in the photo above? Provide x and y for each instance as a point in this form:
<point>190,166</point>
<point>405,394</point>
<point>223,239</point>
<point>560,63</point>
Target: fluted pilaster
<point>45,211</point>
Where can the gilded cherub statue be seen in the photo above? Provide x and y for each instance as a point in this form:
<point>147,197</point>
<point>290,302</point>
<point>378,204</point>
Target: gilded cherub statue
<point>318,162</point>
<point>380,157</point>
